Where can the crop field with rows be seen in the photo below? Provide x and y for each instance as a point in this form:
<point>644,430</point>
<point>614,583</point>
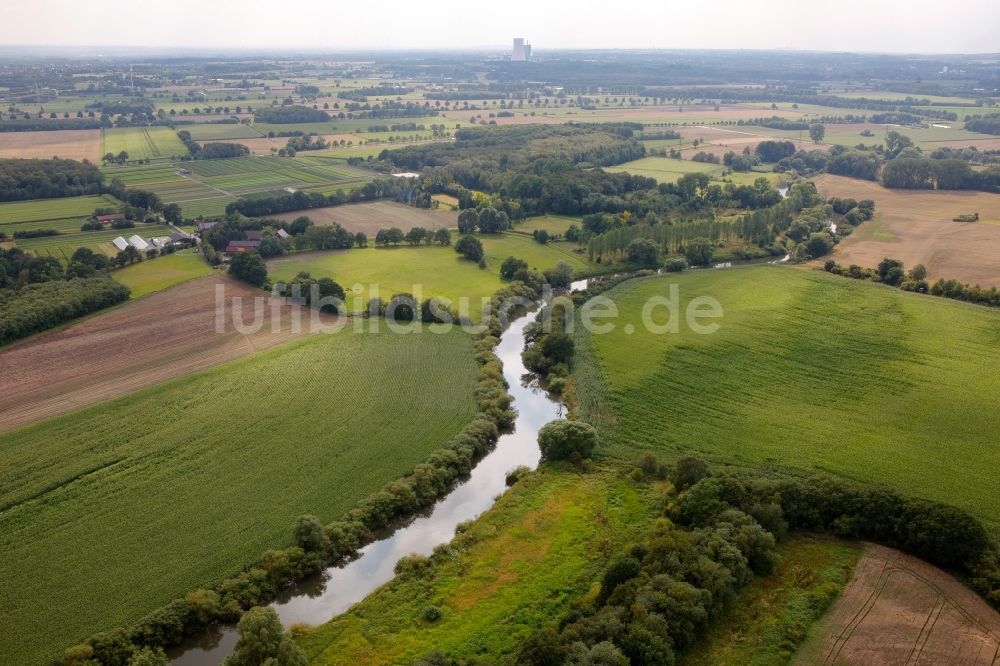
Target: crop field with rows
<point>807,371</point>
<point>119,508</point>
<point>143,142</point>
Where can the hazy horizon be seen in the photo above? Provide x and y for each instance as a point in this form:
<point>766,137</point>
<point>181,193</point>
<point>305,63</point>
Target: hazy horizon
<point>889,26</point>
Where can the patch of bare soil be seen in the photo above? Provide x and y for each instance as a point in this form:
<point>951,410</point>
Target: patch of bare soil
<point>372,216</point>
<point>901,610</point>
<point>917,227</point>
<point>145,342</point>
<point>68,144</point>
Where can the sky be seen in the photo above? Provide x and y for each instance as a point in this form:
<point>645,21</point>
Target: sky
<point>959,26</point>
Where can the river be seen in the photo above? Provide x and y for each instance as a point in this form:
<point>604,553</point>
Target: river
<point>322,598</point>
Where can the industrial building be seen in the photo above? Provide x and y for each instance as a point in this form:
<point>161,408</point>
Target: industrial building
<point>522,50</point>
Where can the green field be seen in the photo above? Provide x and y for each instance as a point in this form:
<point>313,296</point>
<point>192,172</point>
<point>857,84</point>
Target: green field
<point>157,274</point>
<point>142,143</point>
<point>553,224</point>
<point>112,511</point>
<point>666,169</point>
<point>40,210</point>
<point>808,371</point>
<point>517,569</point>
<point>220,131</point>
<point>439,271</point>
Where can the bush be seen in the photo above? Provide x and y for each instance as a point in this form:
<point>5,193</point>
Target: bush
<point>687,472</point>
<point>560,440</point>
<point>516,474</point>
<point>675,264</point>
<point>431,614</point>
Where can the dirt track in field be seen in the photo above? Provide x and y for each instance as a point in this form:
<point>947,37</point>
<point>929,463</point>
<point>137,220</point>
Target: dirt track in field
<point>145,342</point>
<point>370,217</point>
<point>916,226</point>
<point>901,610</point>
<point>68,144</point>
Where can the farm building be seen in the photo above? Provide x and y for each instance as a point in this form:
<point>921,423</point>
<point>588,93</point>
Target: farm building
<point>406,174</point>
<point>120,243</point>
<point>205,226</point>
<point>282,234</point>
<point>180,237</point>
<point>253,235</point>
<point>242,246</point>
<point>138,243</point>
<point>107,219</point>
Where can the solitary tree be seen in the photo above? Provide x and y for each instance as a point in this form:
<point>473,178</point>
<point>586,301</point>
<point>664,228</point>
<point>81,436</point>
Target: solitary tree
<point>559,440</point>
<point>264,641</point>
<point>470,247</point>
<point>816,132</point>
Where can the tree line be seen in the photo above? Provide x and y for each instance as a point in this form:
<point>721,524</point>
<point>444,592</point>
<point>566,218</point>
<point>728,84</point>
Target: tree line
<point>893,273</point>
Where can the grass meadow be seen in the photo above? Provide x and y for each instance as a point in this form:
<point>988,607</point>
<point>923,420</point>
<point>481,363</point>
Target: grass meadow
<point>439,270</point>
<point>112,511</point>
<point>811,372</point>
<point>666,169</point>
<point>158,274</point>
<point>553,224</point>
<point>515,569</point>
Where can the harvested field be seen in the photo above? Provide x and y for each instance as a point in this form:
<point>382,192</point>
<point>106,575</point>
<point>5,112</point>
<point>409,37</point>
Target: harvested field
<point>916,226</point>
<point>166,335</point>
<point>68,144</point>
<point>901,610</point>
<point>979,144</point>
<point>370,217</point>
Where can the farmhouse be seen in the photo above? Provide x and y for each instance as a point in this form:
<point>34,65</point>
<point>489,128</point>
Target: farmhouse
<point>242,246</point>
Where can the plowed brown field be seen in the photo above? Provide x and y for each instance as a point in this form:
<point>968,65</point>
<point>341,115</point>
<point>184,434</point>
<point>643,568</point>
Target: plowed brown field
<point>901,610</point>
<point>916,226</point>
<point>166,335</point>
